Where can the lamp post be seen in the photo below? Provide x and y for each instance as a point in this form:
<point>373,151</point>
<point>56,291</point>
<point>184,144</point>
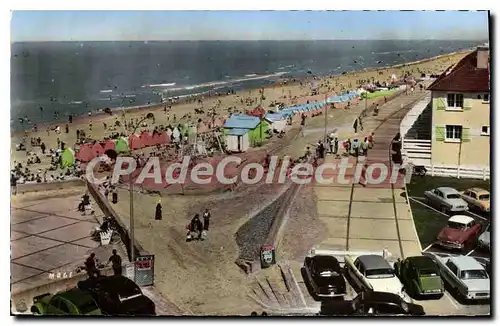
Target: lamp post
<point>131,199</point>
<point>326,116</point>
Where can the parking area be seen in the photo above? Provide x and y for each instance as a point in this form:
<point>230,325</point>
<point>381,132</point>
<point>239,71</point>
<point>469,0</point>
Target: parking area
<point>429,221</point>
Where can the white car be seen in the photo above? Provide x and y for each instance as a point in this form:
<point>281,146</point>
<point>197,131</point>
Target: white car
<point>446,199</point>
<point>374,273</point>
<point>484,238</point>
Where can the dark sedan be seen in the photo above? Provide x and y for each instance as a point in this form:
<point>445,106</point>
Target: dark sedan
<point>118,296</point>
<point>324,276</point>
<point>371,303</point>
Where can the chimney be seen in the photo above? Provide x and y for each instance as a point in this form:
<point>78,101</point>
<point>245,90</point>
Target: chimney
<point>483,56</point>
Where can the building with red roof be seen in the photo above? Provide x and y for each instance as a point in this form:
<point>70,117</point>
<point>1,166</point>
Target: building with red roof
<point>461,113</point>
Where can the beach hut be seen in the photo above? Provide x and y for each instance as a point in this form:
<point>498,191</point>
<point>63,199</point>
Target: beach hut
<point>97,150</point>
<point>121,145</point>
<point>85,153</point>
<point>240,127</point>
<point>67,158</point>
<point>277,121</point>
<point>134,142</point>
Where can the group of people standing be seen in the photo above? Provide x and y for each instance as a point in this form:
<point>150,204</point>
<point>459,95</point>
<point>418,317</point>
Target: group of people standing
<point>196,229</point>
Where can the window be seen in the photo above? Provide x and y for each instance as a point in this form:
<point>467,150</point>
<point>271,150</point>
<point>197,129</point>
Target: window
<point>453,132</point>
<point>452,267</point>
<point>485,130</point>
<point>455,100</point>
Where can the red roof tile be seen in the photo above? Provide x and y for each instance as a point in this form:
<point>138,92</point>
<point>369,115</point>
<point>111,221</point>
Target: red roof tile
<point>463,77</point>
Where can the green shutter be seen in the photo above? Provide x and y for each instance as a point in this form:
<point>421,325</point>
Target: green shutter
<point>440,133</point>
<point>440,104</point>
<point>467,104</point>
<point>465,135</point>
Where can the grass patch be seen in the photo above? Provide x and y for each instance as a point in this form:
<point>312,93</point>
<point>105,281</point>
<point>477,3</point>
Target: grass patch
<point>428,222</point>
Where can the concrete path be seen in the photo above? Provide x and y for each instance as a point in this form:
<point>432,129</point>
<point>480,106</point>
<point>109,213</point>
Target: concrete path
<point>376,216</point>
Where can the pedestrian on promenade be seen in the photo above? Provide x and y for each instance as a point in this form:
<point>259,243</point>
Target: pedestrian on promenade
<point>90,266</point>
<point>355,147</point>
<point>302,124</point>
<point>336,147</point>
<point>355,126</point>
<point>364,146</point>
<point>371,140</point>
<point>114,195</point>
<point>13,184</point>
<point>158,211</point>
<point>360,124</point>
<point>116,263</point>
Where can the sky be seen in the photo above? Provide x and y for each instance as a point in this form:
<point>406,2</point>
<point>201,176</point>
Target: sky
<point>29,26</point>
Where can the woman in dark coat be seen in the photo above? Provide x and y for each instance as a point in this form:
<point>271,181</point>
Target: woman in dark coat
<point>158,215</point>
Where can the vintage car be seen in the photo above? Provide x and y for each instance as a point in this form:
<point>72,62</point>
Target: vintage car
<point>117,296</point>
<point>373,273</point>
<point>465,275</point>
<point>446,199</point>
<point>460,233</point>
<point>372,303</point>
<point>484,238</point>
<point>324,276</point>
<point>477,198</point>
<point>70,302</point>
<point>420,276</point>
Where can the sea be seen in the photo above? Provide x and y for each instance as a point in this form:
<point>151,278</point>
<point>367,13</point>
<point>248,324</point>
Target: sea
<point>73,78</point>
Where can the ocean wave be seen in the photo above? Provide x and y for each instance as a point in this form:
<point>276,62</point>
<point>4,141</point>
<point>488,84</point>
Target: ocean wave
<point>106,91</point>
<point>76,102</point>
<point>159,85</point>
<point>391,52</point>
<point>227,82</point>
<point>251,75</point>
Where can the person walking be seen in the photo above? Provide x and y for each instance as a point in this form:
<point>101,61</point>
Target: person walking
<point>116,263</point>
<point>13,184</point>
<point>90,266</point>
<point>114,195</point>
<point>364,146</point>
<point>336,147</point>
<point>158,213</point>
<point>355,126</point>
<point>206,219</point>
<point>302,124</point>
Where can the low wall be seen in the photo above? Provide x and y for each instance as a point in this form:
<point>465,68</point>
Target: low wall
<point>21,301</point>
<point>47,186</point>
<point>106,208</point>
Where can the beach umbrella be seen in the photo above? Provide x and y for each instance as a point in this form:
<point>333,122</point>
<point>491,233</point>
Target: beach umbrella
<point>85,153</point>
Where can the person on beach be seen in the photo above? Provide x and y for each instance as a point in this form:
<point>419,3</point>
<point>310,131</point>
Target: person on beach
<point>158,211</point>
<point>195,228</point>
<point>67,129</point>
<point>42,147</point>
<point>116,263</point>
<point>206,219</point>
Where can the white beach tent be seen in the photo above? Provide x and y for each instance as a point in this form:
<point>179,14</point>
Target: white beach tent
<point>277,121</point>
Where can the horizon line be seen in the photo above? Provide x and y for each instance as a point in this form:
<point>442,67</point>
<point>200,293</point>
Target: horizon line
<point>256,40</point>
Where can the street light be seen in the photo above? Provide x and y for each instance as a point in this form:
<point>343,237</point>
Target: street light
<point>149,116</point>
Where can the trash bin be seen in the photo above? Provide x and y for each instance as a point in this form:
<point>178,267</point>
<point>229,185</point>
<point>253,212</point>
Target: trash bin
<point>267,256</point>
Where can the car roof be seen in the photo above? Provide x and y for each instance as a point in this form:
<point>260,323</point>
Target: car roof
<point>423,262</point>
<point>381,296</point>
<point>479,191</point>
<point>373,262</point>
<point>325,258</point>
<point>466,262</point>
<point>76,296</point>
<point>462,219</point>
<point>447,190</point>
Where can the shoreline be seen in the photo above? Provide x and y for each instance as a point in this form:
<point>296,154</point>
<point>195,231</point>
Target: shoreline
<point>294,81</point>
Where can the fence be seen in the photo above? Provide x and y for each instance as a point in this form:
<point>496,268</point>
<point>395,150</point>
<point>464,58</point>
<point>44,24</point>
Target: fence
<point>459,172</point>
<point>417,151</point>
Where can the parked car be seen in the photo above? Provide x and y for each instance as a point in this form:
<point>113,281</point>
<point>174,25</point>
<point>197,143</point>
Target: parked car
<point>460,233</point>
<point>70,302</point>
<point>484,238</point>
<point>372,303</point>
<point>465,275</point>
<point>324,275</point>
<point>477,198</point>
<point>117,295</point>
<point>446,199</point>
<point>420,276</point>
<point>373,273</point>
